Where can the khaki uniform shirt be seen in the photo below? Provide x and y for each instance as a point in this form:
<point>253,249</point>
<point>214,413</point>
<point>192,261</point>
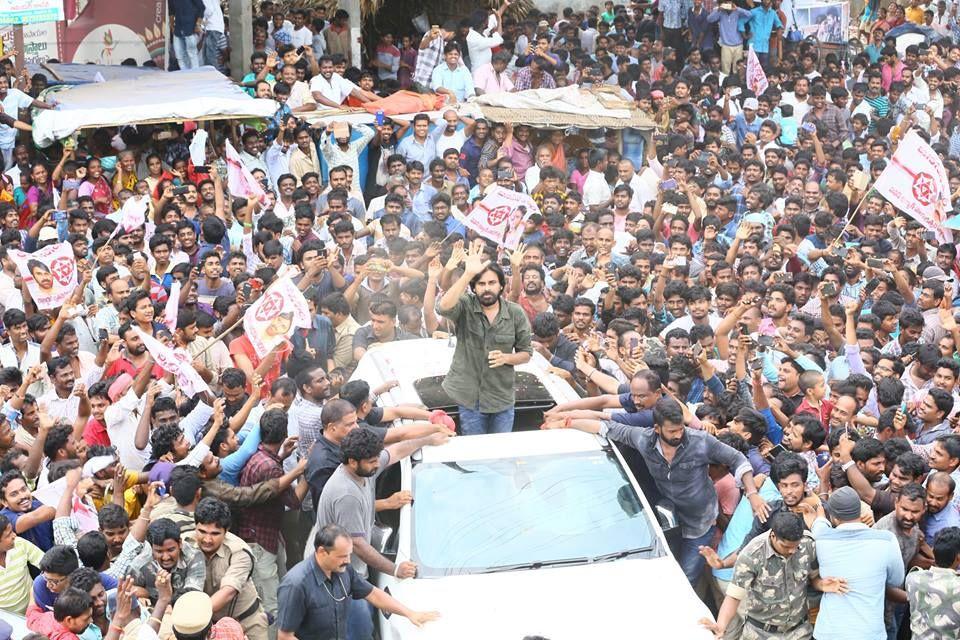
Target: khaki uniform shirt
<point>232,566</point>
<point>343,351</point>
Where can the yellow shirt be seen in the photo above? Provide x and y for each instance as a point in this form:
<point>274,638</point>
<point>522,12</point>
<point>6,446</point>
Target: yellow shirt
<point>914,14</point>
<point>131,499</point>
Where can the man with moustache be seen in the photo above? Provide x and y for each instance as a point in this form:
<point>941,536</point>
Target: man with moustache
<point>903,523</point>
<point>677,458</point>
<point>493,336</point>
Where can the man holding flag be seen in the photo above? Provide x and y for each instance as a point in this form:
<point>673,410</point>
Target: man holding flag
<point>493,336</point>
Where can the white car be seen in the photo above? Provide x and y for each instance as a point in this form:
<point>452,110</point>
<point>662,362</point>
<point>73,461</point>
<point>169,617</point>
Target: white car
<point>526,533</point>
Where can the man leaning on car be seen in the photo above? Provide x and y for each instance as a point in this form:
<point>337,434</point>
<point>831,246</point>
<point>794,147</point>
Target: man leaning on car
<point>493,336</point>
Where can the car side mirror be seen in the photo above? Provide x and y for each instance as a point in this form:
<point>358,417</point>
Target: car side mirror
<point>667,518</point>
<point>380,537</point>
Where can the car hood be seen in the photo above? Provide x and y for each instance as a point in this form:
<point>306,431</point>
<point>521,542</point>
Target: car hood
<point>623,598</point>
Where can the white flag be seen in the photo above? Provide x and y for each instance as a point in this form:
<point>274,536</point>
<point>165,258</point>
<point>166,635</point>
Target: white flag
<point>501,216</point>
<point>198,148</point>
<point>239,179</point>
<point>50,274</point>
<point>756,78</point>
<point>175,361</point>
<point>916,183</point>
<point>273,317</point>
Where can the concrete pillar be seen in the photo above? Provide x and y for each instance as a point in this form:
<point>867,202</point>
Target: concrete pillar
<point>241,36</point>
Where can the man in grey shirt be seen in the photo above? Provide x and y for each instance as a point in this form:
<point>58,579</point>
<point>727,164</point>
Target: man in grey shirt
<point>348,496</point>
<point>678,459</point>
<point>348,499</point>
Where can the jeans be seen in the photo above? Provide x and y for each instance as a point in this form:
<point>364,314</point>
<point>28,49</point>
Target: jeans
<point>473,423</point>
<point>690,559</point>
<point>897,615</point>
<point>185,50</point>
<point>212,50</point>
<point>359,620</point>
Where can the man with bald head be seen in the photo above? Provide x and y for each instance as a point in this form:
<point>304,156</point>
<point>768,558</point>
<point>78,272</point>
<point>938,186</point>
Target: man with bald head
<point>643,192</point>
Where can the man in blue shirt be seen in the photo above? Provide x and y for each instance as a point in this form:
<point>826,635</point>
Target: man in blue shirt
<point>747,121</point>
<point>728,17</point>
<point>453,78</point>
<point>941,510</point>
<point>868,559</point>
<point>763,22</point>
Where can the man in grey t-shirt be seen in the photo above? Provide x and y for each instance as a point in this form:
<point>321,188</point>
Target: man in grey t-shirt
<point>348,497</point>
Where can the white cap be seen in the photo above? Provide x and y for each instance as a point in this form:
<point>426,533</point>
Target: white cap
<point>751,103</point>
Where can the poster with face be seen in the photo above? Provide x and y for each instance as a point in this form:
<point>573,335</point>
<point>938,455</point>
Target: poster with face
<point>272,318</point>
<point>501,216</point>
<point>50,274</point>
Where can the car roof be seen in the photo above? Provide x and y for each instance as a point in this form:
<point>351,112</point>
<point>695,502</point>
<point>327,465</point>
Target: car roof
<point>517,444</point>
<point>408,361</point>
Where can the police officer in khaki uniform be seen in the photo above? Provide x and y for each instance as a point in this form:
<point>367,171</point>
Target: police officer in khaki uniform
<point>771,577</point>
<point>229,567</point>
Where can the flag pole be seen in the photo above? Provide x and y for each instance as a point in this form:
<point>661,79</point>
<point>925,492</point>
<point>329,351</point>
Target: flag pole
<point>235,324</point>
<point>849,219</point>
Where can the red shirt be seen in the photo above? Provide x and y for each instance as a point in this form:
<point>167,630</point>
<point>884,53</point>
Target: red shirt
<point>823,413</point>
<point>125,366</point>
<point>242,346</point>
<point>95,432</point>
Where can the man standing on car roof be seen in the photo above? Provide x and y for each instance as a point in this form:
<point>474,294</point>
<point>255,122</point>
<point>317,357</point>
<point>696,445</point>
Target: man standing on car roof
<point>493,336</point>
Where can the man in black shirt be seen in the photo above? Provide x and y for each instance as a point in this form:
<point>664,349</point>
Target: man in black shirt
<point>315,595</point>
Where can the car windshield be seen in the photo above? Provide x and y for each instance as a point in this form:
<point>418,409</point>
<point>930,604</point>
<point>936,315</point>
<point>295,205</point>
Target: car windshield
<point>513,513</point>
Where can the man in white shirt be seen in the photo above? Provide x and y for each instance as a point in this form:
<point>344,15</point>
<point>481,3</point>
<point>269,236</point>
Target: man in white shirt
<point>214,40</point>
<point>302,36</point>
<point>330,89</point>
<point>643,190</point>
<point>798,98</point>
<point>13,100</point>
<point>596,191</point>
<point>479,39</point>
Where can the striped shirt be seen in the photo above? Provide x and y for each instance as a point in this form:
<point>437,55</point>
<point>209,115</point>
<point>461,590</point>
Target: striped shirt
<point>14,577</point>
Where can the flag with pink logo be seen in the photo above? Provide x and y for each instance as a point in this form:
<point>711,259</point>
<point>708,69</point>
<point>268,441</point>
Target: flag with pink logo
<point>50,274</point>
<point>916,182</point>
<point>239,179</point>
<point>756,78</point>
<point>133,215</point>
<point>273,317</point>
<point>175,361</point>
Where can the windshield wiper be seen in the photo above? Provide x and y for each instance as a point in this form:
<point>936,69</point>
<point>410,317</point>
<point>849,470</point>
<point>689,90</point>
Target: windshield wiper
<point>522,566</point>
<point>619,555</point>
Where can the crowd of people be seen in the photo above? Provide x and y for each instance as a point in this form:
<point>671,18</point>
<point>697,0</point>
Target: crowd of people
<point>772,344</point>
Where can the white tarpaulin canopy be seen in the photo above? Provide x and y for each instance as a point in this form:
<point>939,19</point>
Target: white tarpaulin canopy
<point>198,94</point>
<point>546,108</point>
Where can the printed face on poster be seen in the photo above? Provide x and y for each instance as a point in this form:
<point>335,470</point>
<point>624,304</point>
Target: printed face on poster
<point>826,21</point>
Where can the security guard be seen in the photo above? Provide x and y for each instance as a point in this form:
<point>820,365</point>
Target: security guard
<point>229,567</point>
<point>771,576</point>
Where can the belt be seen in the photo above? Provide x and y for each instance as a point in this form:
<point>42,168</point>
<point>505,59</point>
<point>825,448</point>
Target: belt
<point>773,628</point>
<point>252,609</point>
